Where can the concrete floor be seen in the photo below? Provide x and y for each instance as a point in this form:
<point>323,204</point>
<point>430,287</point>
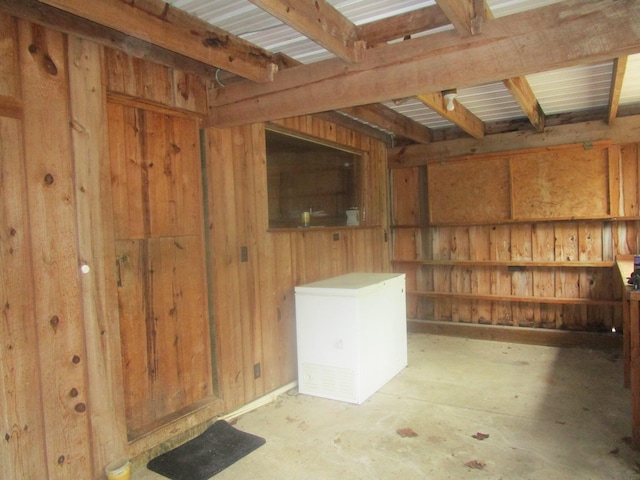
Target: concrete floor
<point>548,413</point>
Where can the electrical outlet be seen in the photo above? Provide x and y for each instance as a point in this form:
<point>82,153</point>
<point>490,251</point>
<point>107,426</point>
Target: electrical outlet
<point>257,371</point>
<point>244,254</point>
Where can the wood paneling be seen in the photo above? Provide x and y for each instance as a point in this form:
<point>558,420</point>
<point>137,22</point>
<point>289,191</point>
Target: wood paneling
<point>51,201</point>
<point>555,273</point>
<point>157,210</point>
<point>95,237</point>
<point>254,299</point>
<point>21,416</point>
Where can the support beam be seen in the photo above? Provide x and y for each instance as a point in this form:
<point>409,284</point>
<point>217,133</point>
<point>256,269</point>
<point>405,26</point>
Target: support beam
<point>463,15</point>
<point>319,21</point>
<point>619,67</point>
<point>625,131</point>
<point>390,120</point>
<point>402,25</point>
<point>170,28</point>
<point>462,117</point>
<point>547,38</point>
<point>56,19</point>
<point>522,93</point>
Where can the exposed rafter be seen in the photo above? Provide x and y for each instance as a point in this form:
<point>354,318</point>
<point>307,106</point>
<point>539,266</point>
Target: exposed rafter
<point>619,67</point>
<point>402,25</point>
<point>466,16</point>
<point>462,117</point>
<point>320,22</point>
<point>542,36</point>
<point>522,93</point>
<point>390,120</point>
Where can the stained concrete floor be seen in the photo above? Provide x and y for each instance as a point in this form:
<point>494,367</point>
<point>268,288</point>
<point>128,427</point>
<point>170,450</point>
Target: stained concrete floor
<point>547,413</point>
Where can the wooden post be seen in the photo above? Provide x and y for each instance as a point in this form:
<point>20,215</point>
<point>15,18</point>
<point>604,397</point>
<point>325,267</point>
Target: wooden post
<point>634,334</point>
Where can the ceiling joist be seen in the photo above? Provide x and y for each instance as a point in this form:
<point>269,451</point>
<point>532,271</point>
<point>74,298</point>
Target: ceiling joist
<point>403,25</point>
<point>466,16</point>
<point>543,36</point>
<point>320,22</point>
<point>523,94</point>
<point>619,67</point>
<point>462,117</point>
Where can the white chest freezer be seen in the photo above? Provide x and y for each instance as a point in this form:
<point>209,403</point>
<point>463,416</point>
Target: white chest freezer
<point>351,334</point>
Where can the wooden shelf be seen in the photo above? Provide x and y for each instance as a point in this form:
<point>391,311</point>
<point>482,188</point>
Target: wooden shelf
<point>512,298</point>
<point>509,263</point>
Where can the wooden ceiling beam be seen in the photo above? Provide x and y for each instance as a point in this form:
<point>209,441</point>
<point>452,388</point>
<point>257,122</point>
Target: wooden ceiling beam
<point>619,68</point>
<point>390,120</point>
<point>376,115</point>
<point>546,38</point>
<point>320,22</point>
<point>523,94</point>
<point>51,17</point>
<point>460,115</point>
<point>402,25</point>
<point>174,30</point>
<point>467,17</point>
<point>463,15</point>
<point>625,131</point>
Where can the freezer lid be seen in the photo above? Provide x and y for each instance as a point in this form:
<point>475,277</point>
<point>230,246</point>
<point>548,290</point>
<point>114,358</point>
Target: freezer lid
<point>351,284</point>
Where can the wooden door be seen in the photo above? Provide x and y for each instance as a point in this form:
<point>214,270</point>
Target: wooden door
<point>160,263</point>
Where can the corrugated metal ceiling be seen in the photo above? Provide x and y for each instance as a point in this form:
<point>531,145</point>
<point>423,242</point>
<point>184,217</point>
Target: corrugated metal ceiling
<point>560,91</point>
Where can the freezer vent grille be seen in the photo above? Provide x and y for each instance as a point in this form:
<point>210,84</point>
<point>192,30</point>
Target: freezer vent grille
<point>332,382</point>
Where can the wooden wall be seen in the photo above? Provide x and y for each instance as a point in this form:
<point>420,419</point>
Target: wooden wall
<point>81,131</point>
<point>254,300</point>
<point>523,238</point>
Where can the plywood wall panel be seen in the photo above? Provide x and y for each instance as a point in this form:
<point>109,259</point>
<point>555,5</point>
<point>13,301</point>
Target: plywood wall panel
<point>469,192</point>
<point>543,187</point>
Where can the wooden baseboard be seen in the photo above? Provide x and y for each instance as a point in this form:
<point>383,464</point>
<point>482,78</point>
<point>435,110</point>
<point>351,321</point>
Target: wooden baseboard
<point>532,336</point>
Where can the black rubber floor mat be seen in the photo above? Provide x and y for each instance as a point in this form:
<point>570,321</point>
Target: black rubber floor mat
<point>209,453</point>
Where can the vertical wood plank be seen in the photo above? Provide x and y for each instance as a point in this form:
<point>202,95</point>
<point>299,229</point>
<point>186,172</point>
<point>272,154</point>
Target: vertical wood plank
<point>21,415</point>
<point>225,260</point>
<point>542,249</point>
<point>480,249</point>
<point>442,274</point>
<point>95,227</point>
<point>51,201</point>
<point>500,238</point>
<point>460,276</point>
<point>9,68</point>
<point>628,159</point>
<point>522,281</point>
<point>568,280</point>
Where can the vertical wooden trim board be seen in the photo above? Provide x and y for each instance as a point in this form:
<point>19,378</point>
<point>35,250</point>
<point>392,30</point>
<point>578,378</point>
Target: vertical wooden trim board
<point>51,203</point>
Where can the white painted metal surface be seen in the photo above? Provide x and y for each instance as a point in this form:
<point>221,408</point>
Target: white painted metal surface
<point>351,334</point>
